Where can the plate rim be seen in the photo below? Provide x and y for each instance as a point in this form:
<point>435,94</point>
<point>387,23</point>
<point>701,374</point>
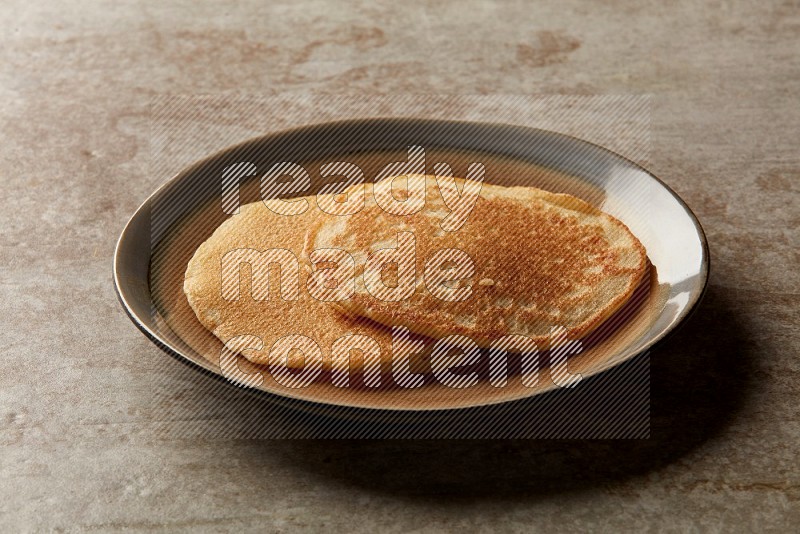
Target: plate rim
<point>297,402</point>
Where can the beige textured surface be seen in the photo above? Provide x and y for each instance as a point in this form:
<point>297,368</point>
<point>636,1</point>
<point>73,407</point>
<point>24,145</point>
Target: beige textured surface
<point>78,428</point>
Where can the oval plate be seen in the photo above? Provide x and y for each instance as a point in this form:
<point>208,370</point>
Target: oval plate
<point>674,240</point>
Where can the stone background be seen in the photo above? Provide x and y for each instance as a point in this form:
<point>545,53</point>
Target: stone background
<point>80,446</point>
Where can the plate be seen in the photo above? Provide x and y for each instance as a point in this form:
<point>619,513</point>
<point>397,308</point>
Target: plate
<point>161,236</point>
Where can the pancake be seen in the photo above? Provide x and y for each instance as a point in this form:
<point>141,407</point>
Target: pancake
<point>540,261</point>
<point>233,305</point>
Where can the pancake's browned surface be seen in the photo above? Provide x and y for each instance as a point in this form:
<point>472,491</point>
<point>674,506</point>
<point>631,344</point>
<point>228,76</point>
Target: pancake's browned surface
<point>256,227</point>
<point>542,261</point>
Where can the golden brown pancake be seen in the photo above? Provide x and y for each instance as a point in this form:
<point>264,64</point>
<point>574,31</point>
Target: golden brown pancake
<point>268,311</point>
<point>541,261</point>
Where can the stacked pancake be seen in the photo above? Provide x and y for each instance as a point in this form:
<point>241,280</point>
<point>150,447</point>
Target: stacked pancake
<point>515,261</point>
